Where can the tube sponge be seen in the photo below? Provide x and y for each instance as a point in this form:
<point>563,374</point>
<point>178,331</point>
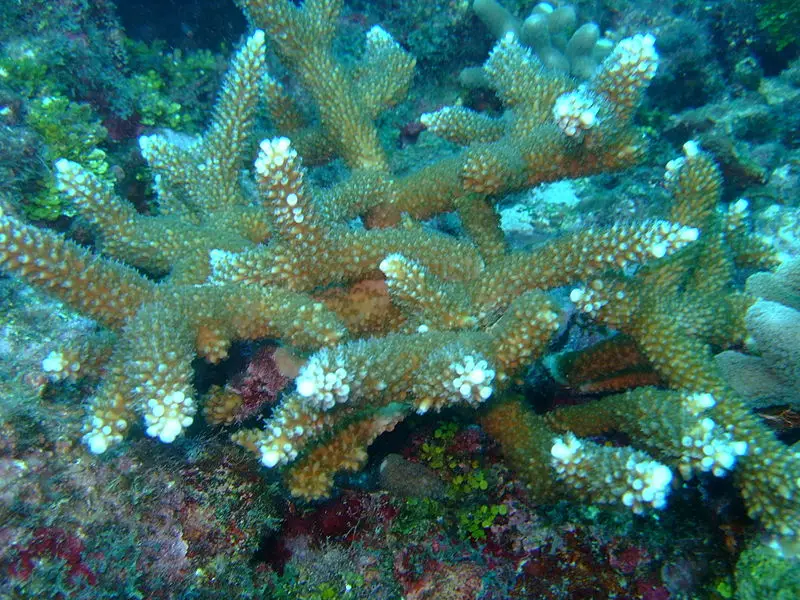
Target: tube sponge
<point>772,374</point>
<point>552,33</point>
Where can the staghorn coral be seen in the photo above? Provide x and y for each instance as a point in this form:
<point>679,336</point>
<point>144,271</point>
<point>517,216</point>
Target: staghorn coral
<point>553,128</point>
<point>230,262</point>
<point>675,310</point>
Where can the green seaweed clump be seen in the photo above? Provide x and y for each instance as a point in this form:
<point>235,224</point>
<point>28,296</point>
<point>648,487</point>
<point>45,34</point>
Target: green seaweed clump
<point>300,583</point>
<point>474,523</point>
<point>69,130</point>
<point>173,88</point>
<point>764,573</point>
<point>155,108</point>
<point>22,68</point>
<point>781,20</point>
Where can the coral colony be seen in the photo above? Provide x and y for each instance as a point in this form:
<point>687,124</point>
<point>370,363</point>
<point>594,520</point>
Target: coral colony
<point>457,319</point>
